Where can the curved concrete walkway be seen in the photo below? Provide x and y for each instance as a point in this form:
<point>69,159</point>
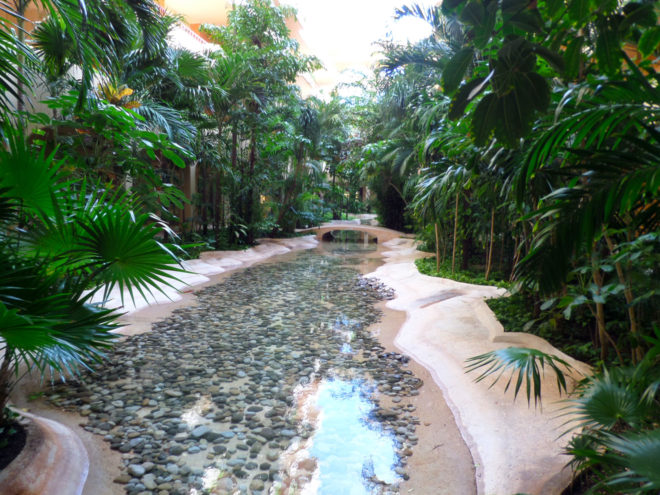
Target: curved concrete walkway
<point>516,448</point>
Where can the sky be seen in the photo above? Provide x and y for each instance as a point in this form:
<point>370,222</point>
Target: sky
<point>342,32</point>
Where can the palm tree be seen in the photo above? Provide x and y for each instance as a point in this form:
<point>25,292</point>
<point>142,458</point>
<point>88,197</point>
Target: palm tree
<point>64,240</point>
<point>307,132</point>
<point>90,34</point>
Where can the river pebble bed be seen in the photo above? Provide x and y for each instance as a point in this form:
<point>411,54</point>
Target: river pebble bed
<point>216,398</point>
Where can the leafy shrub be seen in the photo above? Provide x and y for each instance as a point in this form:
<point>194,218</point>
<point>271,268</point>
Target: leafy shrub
<point>427,267</point>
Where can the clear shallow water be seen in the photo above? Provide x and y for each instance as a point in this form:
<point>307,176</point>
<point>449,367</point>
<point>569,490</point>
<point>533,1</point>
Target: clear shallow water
<point>208,398</point>
<point>351,449</point>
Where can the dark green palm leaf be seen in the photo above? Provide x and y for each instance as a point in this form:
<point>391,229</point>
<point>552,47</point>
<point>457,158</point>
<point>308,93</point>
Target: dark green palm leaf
<point>525,365</point>
<point>29,176</point>
<point>44,325</point>
<point>609,402</point>
<point>53,45</point>
<point>638,454</point>
<point>122,250</point>
<point>16,62</point>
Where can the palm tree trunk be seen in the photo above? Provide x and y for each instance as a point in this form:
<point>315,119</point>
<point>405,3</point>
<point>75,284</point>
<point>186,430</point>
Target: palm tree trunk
<point>437,248</point>
<point>5,381</point>
<point>249,199</point>
<point>217,198</point>
<point>453,250</point>
<point>603,336</point>
<point>234,159</point>
<point>517,245</point>
<point>204,205</point>
<point>489,260</point>
<point>291,189</point>
<point>637,351</point>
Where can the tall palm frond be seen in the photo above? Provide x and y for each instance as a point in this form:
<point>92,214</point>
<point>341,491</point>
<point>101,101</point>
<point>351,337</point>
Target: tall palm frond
<point>573,217</point>
<point>427,53</point>
<point>54,46</point>
<point>16,61</point>
<point>166,119</point>
<point>443,27</point>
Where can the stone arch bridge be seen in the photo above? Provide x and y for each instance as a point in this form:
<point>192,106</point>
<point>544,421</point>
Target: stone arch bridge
<point>381,234</point>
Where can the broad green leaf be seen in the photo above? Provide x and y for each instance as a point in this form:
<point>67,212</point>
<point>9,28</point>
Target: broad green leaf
<point>608,50</point>
<point>466,93</point>
<point>527,20</point>
<point>649,41</point>
<point>473,13</point>
<point>553,58</point>
<point>485,118</point>
<point>456,68</point>
<point>606,7</point>
<point>555,8</point>
<point>573,56</point>
<point>641,14</point>
<point>548,304</point>
<point>514,6</point>
<point>579,10</point>
<point>484,31</point>
<point>174,158</point>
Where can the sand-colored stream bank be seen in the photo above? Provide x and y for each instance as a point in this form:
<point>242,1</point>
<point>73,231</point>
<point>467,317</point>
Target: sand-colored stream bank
<point>515,447</point>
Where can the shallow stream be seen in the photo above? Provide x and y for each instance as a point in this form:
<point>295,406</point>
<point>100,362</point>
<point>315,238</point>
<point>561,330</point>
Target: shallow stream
<point>270,383</point>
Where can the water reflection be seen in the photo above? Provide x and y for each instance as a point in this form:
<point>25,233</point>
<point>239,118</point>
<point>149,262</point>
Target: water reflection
<point>355,456</point>
<point>350,241</point>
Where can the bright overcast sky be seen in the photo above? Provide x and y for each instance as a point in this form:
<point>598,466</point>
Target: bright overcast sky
<point>342,32</point>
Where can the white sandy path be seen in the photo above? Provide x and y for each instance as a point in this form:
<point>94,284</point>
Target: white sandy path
<point>516,447</point>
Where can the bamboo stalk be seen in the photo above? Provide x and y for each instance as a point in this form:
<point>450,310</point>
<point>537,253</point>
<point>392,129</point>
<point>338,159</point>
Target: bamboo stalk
<point>637,351</point>
<point>437,248</point>
<point>489,260</point>
<point>453,251</point>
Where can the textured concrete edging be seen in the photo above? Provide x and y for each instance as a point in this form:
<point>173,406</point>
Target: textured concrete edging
<point>53,462</point>
<point>516,447</point>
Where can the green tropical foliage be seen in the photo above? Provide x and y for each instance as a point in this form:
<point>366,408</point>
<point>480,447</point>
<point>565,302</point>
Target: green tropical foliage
<point>142,142</point>
<point>522,139</point>
<point>63,240</point>
<point>519,141</point>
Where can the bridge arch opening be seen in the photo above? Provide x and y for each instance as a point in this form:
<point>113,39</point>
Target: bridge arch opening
<point>349,235</point>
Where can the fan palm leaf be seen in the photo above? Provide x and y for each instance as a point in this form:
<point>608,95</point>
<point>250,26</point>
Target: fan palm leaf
<point>638,456</point>
<point>524,366</point>
<point>30,177</point>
